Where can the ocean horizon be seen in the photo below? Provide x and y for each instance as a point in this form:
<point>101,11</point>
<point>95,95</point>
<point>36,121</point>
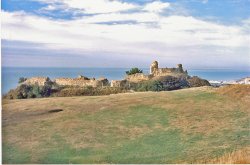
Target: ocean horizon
<point>11,75</point>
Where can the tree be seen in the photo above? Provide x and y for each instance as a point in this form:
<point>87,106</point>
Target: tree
<point>133,71</point>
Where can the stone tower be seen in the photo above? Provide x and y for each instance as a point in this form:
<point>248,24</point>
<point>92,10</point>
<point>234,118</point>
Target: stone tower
<point>153,67</point>
<point>179,67</point>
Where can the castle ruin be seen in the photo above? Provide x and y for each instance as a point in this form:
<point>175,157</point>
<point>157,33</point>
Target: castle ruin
<point>83,81</point>
<point>156,71</point>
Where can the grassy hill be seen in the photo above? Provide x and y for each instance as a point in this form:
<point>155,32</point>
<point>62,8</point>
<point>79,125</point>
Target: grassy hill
<point>196,125</point>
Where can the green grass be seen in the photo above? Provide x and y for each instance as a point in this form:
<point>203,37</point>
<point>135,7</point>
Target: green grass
<point>14,155</point>
<point>186,126</point>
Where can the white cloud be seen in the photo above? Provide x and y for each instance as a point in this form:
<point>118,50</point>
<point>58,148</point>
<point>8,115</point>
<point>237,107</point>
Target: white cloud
<point>99,6</point>
<point>156,6</point>
<point>92,6</point>
<point>169,37</point>
<point>116,17</point>
<point>172,30</point>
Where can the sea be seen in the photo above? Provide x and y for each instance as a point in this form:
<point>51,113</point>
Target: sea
<point>11,75</point>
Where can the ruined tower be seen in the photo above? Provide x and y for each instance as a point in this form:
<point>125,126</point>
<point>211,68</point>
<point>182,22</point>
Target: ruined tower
<point>153,67</point>
<point>179,67</point>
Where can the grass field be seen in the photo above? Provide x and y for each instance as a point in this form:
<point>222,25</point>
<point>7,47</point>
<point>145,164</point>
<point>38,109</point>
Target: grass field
<point>196,125</point>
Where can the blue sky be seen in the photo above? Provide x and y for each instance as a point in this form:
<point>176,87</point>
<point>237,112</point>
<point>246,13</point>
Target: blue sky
<point>103,33</point>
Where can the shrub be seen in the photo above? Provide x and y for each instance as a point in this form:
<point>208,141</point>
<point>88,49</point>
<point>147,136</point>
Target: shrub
<point>31,91</point>
<point>21,92</point>
<point>47,89</point>
<point>154,85</point>
<point>21,80</point>
<point>133,71</point>
<point>35,92</point>
<point>88,91</point>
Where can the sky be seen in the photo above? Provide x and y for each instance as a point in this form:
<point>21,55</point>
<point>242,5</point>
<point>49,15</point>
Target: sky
<point>200,34</point>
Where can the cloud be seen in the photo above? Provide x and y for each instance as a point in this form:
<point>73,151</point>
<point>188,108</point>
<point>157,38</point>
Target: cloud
<point>91,6</point>
<point>144,34</point>
<point>99,6</point>
<point>156,6</point>
<point>140,17</point>
<point>172,30</point>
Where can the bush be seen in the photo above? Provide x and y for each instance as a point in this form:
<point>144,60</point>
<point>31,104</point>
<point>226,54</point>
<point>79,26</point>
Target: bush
<point>50,89</point>
<point>21,92</point>
<point>21,80</point>
<point>88,91</point>
<point>32,91</point>
<point>133,71</point>
<point>154,85</point>
<point>35,92</point>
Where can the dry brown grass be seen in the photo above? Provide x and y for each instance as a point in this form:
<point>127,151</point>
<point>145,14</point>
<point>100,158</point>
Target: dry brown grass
<point>241,156</point>
<point>102,125</point>
<point>235,91</point>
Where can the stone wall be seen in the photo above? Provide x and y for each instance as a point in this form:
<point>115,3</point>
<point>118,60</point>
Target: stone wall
<point>168,72</point>
<point>138,77</point>
<point>41,81</point>
<point>81,82</point>
<point>119,83</point>
<point>155,71</point>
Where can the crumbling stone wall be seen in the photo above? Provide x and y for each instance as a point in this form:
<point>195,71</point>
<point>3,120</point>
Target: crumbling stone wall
<point>138,77</point>
<point>155,71</point>
<point>119,83</point>
<point>81,82</point>
<point>41,81</point>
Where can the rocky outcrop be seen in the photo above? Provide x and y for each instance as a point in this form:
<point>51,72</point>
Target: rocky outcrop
<point>172,82</point>
<point>197,82</point>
